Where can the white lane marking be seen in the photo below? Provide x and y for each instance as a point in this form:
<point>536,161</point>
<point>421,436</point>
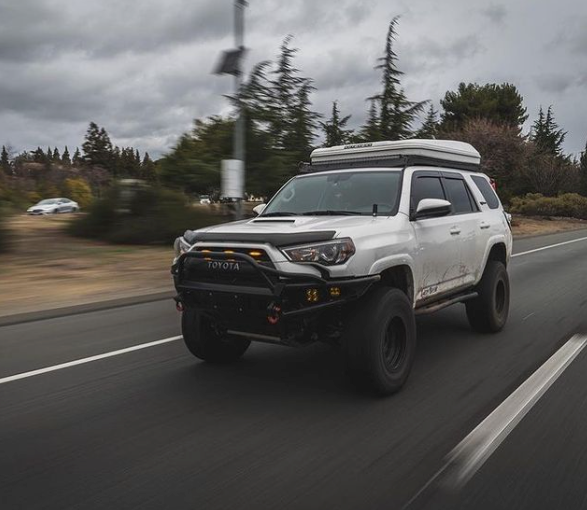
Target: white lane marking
<point>549,247</point>
<point>528,316</point>
<point>471,453</point>
<point>81,361</point>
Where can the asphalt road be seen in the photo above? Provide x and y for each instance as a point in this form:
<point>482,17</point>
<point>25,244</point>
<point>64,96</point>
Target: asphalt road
<point>283,428</point>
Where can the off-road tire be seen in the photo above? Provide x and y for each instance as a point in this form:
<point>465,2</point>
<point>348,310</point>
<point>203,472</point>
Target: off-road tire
<point>207,342</point>
<point>489,312</point>
<point>380,341</point>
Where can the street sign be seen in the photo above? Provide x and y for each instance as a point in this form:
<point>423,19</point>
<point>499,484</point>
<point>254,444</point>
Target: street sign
<point>233,177</point>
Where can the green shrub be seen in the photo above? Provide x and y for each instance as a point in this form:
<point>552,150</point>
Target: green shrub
<point>141,215</point>
<point>570,205</point>
<point>4,232</point>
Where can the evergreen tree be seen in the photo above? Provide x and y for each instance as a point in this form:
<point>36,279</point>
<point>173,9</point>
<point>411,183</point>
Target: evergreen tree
<point>583,172</point>
<point>148,170</point>
<point>498,103</point>
<point>49,154</point>
<point>5,160</point>
<point>77,157</point>
<point>334,129</point>
<point>396,112</point>
<point>370,132</point>
<point>39,156</point>
<point>546,133</point>
<point>303,125</point>
<point>66,159</point>
<point>97,147</point>
<point>429,128</point>
<point>56,157</point>
<point>137,158</point>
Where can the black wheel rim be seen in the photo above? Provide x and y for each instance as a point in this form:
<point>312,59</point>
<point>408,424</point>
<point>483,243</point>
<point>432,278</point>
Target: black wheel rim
<point>500,297</point>
<point>394,344</point>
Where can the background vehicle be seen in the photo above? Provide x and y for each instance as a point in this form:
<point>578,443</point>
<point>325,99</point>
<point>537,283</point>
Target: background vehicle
<point>348,252</point>
<point>54,206</point>
<point>205,200</point>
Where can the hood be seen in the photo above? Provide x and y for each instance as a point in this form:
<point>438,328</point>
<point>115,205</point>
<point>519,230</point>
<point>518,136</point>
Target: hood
<point>287,230</point>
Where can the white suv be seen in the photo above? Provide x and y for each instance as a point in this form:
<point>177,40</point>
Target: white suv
<point>365,238</point>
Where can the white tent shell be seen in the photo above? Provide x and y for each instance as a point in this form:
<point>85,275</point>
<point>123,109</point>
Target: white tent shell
<point>446,150</point>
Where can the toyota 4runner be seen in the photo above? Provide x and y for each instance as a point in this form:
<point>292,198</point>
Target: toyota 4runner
<point>349,251</point>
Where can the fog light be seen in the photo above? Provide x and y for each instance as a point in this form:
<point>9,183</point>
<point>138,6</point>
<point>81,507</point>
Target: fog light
<point>312,295</point>
<point>334,292</point>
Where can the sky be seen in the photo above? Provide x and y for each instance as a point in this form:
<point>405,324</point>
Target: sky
<point>143,69</point>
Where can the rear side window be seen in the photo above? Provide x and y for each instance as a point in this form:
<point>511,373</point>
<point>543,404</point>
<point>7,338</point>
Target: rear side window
<point>459,196</point>
<point>487,191</point>
<point>426,187</point>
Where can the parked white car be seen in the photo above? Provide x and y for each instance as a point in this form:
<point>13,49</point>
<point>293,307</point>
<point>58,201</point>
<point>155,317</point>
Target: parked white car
<point>54,206</point>
<point>348,252</point>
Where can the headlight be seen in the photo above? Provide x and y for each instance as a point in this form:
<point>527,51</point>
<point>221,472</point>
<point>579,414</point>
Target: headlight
<point>180,246</point>
<point>328,254</point>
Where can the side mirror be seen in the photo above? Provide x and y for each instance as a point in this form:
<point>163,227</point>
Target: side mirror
<point>432,208</point>
<point>259,209</point>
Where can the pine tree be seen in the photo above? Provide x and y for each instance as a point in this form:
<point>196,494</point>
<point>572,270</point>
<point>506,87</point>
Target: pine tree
<point>546,133</point>
<point>396,112</point>
<point>334,131</point>
<point>39,156</point>
<point>5,160</point>
<point>429,128</point>
<point>56,157</point>
<point>49,154</point>
<point>148,170</point>
<point>370,132</point>
<point>583,172</point>
<point>304,122</point>
<point>137,158</point>
<point>97,147</point>
<point>65,158</point>
<point>77,157</point>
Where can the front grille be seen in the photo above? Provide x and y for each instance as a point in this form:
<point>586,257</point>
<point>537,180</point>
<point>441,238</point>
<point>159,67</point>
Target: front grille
<point>204,270</point>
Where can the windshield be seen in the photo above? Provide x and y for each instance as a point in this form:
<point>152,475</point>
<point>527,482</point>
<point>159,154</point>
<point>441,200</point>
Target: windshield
<point>50,201</point>
<point>338,193</point>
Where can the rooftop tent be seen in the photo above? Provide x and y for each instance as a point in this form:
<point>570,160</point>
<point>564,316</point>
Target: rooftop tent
<point>445,153</point>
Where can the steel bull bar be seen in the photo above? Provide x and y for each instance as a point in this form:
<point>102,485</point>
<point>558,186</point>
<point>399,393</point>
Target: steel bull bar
<point>274,285</point>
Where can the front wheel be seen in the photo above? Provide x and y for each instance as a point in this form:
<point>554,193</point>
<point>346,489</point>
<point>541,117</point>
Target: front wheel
<point>380,341</point>
<point>489,312</point>
<point>207,341</point>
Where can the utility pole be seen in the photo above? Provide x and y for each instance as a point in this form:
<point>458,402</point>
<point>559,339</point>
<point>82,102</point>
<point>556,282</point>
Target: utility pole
<point>239,127</point>
<point>233,172</point>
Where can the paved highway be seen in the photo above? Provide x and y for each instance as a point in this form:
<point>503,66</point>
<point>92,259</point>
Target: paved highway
<point>154,428</point>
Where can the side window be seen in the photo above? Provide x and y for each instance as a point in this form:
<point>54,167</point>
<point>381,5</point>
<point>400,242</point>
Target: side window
<point>459,196</point>
<point>426,187</point>
<point>487,191</point>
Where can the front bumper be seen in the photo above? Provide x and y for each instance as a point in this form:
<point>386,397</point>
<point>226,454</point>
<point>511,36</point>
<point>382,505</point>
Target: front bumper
<point>269,301</point>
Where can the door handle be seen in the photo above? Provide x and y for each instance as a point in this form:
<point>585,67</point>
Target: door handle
<point>455,231</point>
<point>484,225</point>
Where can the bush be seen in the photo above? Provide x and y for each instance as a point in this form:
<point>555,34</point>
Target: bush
<point>78,190</point>
<point>4,233</point>
<point>140,216</point>
<point>570,205</point>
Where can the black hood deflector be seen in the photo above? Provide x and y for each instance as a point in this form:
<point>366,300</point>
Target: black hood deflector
<point>277,240</point>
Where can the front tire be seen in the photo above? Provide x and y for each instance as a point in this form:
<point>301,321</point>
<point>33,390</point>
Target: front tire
<point>489,312</point>
<point>207,341</point>
<point>380,342</point>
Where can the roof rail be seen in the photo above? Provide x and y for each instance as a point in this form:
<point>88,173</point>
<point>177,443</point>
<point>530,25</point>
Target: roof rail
<point>388,162</point>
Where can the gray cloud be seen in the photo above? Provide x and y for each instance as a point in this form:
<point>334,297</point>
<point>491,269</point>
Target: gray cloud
<point>496,13</point>
<point>142,69</point>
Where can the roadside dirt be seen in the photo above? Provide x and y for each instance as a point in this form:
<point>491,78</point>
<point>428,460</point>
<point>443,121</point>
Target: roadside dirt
<point>524,226</point>
<point>48,269</point>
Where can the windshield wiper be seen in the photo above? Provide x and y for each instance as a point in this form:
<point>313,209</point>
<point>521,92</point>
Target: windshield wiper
<point>268,215</point>
<point>329,212</point>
